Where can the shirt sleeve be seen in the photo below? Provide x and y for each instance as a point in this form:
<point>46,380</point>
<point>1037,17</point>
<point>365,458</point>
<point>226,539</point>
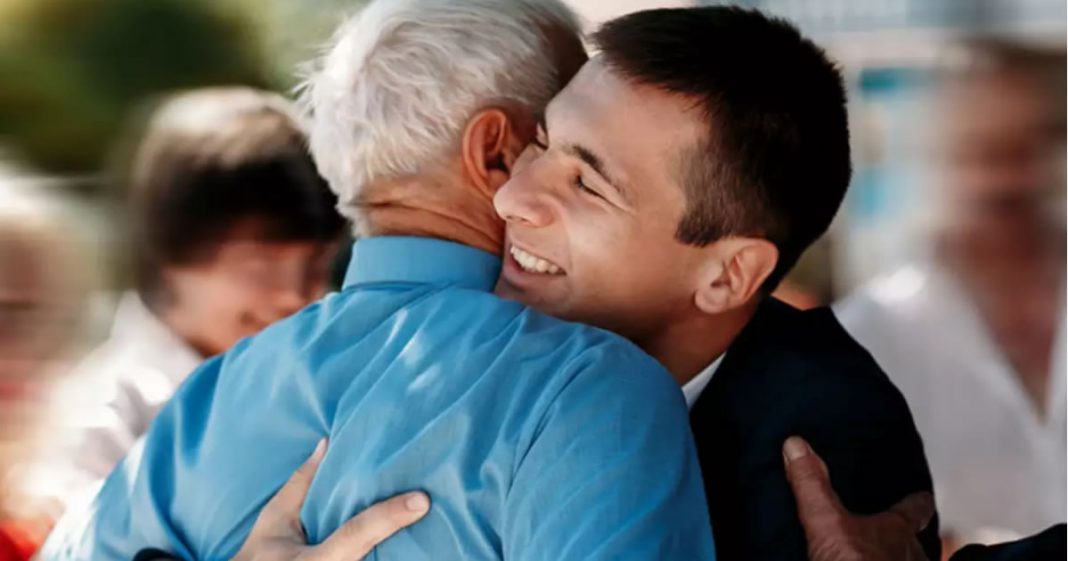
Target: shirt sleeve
<point>611,471</point>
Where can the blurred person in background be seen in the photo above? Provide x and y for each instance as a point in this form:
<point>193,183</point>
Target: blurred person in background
<point>975,336</point>
<point>233,229</point>
<point>43,289</point>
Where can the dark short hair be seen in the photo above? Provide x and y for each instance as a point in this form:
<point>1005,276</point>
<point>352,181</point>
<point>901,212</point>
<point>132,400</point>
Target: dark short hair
<point>212,159</point>
<point>775,161</point>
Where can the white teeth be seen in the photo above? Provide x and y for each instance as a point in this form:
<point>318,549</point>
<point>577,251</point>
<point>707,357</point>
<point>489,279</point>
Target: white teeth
<point>532,263</point>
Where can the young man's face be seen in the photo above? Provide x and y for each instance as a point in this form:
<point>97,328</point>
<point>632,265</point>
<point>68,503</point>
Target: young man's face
<point>248,285</point>
<point>593,206</point>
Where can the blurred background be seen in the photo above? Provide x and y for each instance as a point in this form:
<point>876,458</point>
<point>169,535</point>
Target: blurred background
<point>958,127</point>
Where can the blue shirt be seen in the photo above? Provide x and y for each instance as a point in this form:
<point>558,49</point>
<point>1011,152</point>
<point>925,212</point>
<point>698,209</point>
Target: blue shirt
<point>535,438</point>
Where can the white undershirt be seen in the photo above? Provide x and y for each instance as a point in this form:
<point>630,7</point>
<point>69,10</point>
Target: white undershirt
<point>692,390</point>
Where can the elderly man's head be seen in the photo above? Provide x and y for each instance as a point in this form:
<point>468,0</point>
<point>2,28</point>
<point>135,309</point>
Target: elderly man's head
<point>420,108</point>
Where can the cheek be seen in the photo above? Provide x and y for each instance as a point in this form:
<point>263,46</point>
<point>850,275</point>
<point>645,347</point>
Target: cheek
<point>605,259</point>
<point>248,302</point>
<point>224,302</point>
<point>636,270</point>
<point>193,293</point>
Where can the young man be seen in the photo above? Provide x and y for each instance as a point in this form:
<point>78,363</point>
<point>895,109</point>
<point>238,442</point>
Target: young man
<point>538,438</point>
<point>671,226</point>
<point>233,229</point>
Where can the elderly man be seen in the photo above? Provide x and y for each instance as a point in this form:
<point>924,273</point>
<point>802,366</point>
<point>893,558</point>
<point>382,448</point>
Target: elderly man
<point>539,439</point>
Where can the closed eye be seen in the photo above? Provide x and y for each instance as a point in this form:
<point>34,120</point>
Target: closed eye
<point>581,186</point>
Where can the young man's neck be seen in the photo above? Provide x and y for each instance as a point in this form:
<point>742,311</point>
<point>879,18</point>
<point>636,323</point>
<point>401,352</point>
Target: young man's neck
<point>450,213</point>
<point>689,346</point>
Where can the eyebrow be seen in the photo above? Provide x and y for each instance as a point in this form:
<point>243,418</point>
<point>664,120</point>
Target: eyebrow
<point>591,159</point>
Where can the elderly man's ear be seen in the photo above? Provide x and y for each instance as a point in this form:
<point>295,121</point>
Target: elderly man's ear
<point>492,141</point>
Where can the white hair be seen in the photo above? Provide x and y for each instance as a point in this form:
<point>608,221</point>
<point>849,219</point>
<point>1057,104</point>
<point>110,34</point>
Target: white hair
<point>400,79</point>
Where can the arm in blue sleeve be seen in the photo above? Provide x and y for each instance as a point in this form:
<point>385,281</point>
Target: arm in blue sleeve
<point>611,471</point>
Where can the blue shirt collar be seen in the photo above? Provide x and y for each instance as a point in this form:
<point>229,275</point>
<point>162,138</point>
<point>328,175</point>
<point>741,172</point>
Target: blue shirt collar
<point>421,261</point>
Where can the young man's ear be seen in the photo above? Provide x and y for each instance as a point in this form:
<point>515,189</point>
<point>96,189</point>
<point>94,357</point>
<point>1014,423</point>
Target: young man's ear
<point>491,144</point>
<point>736,269</point>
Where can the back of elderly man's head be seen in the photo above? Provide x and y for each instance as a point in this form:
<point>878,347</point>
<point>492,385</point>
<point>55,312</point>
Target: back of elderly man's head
<point>391,97</point>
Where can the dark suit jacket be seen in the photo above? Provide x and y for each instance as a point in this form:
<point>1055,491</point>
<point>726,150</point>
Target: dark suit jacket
<point>799,373</point>
<point>1051,545</point>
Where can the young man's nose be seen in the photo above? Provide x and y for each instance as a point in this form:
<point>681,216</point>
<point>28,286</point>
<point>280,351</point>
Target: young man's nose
<point>521,202</point>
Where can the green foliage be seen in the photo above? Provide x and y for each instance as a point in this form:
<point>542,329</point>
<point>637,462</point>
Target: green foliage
<point>72,70</point>
<point>296,31</point>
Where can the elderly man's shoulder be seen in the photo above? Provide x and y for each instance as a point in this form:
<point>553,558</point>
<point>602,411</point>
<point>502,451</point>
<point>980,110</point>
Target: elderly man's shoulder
<point>434,307</point>
<point>450,324</point>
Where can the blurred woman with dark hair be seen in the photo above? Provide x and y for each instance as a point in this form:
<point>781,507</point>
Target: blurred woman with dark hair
<point>233,229</point>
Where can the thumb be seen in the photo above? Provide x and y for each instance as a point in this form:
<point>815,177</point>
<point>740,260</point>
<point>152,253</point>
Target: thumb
<point>357,537</point>
<point>817,502</point>
<point>285,506</point>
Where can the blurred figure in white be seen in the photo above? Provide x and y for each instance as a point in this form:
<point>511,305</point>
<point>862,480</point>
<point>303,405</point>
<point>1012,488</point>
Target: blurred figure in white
<point>974,336</point>
<point>232,230</point>
<point>43,288</point>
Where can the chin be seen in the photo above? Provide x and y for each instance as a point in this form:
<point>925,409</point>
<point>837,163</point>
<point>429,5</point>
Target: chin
<point>530,299</point>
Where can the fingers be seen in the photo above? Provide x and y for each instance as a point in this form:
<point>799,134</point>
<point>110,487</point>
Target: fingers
<point>817,502</point>
<point>916,509</point>
<point>286,504</point>
<point>369,528</point>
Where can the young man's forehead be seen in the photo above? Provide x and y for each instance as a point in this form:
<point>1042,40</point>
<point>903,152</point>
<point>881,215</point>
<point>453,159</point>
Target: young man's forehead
<point>638,130</point>
<point>592,74</point>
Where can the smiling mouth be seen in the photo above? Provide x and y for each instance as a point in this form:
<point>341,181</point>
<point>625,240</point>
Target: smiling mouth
<point>533,264</point>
